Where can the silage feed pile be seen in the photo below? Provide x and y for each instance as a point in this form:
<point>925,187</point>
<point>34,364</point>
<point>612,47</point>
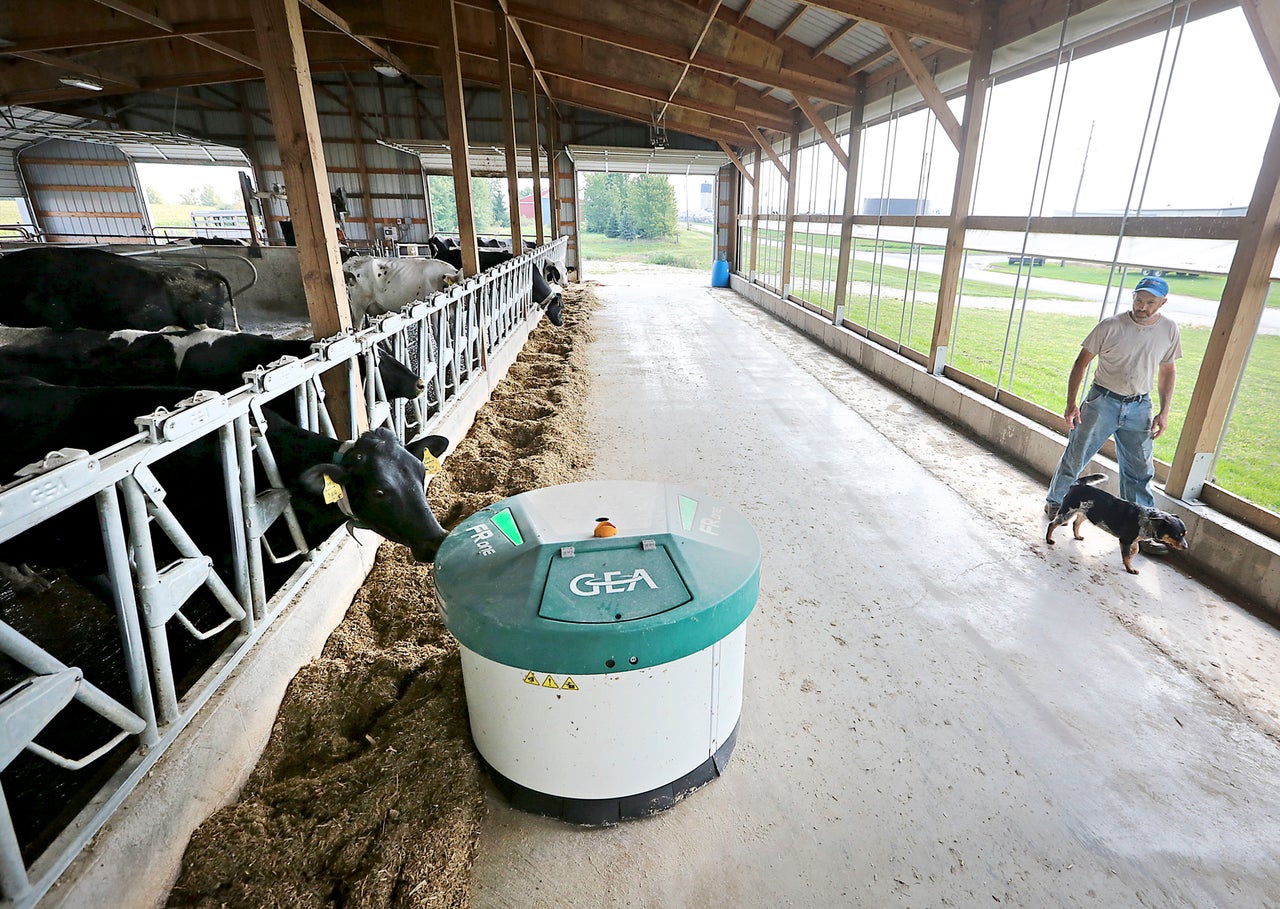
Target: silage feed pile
<point>368,793</point>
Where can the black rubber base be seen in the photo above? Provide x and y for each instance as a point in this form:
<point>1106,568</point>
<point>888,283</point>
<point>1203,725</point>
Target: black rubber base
<point>603,812</point>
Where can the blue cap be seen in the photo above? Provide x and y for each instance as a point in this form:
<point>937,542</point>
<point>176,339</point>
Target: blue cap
<point>1153,285</point>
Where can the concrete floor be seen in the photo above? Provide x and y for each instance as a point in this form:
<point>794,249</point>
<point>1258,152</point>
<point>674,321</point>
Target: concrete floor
<point>939,709</point>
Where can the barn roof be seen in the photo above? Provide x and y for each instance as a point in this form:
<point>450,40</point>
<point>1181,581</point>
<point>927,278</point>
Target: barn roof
<point>726,71</point>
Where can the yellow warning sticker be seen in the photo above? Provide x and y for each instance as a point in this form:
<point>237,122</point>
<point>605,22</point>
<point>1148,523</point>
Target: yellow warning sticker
<point>530,679</point>
<point>429,461</point>
<point>549,682</point>
<point>332,491</point>
<point>569,685</point>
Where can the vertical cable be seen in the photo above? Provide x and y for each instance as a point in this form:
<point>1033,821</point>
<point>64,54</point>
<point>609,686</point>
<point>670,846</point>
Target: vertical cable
<point>1026,231</point>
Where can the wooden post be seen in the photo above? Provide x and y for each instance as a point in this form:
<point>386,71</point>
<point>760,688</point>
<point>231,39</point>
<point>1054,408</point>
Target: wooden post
<point>962,200</point>
<point>287,74</point>
<point>755,214</point>
<point>509,127</point>
<point>553,189</point>
<point>789,234</point>
<point>362,166</point>
<point>535,155</point>
<point>850,200</point>
<point>456,116</point>
<point>1243,299</point>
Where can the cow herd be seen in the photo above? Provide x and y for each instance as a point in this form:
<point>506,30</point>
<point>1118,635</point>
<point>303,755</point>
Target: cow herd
<point>96,339</point>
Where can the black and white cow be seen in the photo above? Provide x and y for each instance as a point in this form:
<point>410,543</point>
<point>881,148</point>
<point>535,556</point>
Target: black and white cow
<point>207,358</point>
<point>92,288</point>
<point>546,295</point>
<point>377,285</point>
<point>382,480</point>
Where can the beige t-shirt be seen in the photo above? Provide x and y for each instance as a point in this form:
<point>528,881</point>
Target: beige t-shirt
<point>1128,353</point>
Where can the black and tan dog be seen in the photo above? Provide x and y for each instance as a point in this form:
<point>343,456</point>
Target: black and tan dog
<point>1131,523</point>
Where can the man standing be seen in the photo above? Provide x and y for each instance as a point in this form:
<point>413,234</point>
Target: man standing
<point>1130,348</point>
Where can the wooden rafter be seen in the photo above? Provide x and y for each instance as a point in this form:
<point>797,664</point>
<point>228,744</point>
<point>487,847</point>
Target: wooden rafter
<point>70,66</point>
<point>1264,18</point>
<point>956,27</point>
<point>524,46</point>
<point>737,162</point>
<point>136,12</point>
<point>791,22</point>
<point>923,80</point>
<point>812,115</point>
<point>341,24</point>
<point>715,6</point>
<point>767,147</point>
<point>830,41</point>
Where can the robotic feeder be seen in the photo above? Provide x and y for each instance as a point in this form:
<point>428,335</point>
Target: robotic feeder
<point>602,628</point>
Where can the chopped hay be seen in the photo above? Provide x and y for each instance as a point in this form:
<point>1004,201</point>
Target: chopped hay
<point>368,793</point>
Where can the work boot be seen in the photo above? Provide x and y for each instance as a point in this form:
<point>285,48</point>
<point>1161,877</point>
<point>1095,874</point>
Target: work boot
<point>1051,510</point>
<point>1153,548</point>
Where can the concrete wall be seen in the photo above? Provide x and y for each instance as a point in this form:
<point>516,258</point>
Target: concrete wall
<point>1222,549</point>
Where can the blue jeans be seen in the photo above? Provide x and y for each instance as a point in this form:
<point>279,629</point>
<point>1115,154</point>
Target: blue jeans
<point>1101,417</point>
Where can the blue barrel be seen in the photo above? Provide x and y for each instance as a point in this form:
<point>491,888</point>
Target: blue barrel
<point>720,273</point>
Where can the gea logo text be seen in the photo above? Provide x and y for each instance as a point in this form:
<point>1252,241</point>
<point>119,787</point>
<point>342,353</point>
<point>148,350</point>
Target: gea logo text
<point>590,585</point>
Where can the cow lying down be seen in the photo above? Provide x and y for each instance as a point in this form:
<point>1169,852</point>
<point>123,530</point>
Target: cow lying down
<point>207,358</point>
<point>382,481</point>
<point>91,288</point>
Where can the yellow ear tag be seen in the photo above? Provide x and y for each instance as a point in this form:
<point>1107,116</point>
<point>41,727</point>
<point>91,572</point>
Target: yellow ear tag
<point>332,491</point>
<point>429,461</point>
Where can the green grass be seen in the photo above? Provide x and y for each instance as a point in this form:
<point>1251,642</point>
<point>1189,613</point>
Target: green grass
<point>814,261</point>
<point>687,249</point>
<point>1202,287</point>
<point>1046,349</point>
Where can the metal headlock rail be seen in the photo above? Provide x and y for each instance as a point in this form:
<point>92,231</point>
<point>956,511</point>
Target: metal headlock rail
<point>447,339</point>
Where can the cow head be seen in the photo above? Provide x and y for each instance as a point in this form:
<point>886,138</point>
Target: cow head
<point>200,298</point>
<point>382,487</point>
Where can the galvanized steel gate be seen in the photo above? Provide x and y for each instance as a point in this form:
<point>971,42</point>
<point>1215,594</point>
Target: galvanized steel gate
<point>447,338</point>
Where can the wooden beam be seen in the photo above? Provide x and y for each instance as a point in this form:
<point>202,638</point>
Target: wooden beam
<point>768,150</point>
<point>1243,298</point>
<point>455,112</point>
<point>790,23</point>
<point>956,26</point>
<point>830,41</point>
<point>553,186</point>
<point>737,162</point>
<point>744,54</point>
<point>509,130</point>
<point>53,61</point>
<point>341,24</point>
<point>789,232</point>
<point>362,166</point>
<point>535,155</point>
<point>962,197</point>
<point>924,82</point>
<point>1263,17</point>
<point>528,52</point>
<point>850,204</point>
<point>287,75</point>
<point>755,215</point>
<point>811,114</point>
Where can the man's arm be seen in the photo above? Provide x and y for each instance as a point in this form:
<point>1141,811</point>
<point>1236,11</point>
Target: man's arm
<point>1072,414</point>
<point>1165,379</point>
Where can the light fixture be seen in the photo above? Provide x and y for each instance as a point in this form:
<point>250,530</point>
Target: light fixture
<point>386,69</point>
<point>76,82</point>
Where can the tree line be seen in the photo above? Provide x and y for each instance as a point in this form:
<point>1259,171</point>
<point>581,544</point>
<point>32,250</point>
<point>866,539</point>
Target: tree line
<point>639,207</point>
